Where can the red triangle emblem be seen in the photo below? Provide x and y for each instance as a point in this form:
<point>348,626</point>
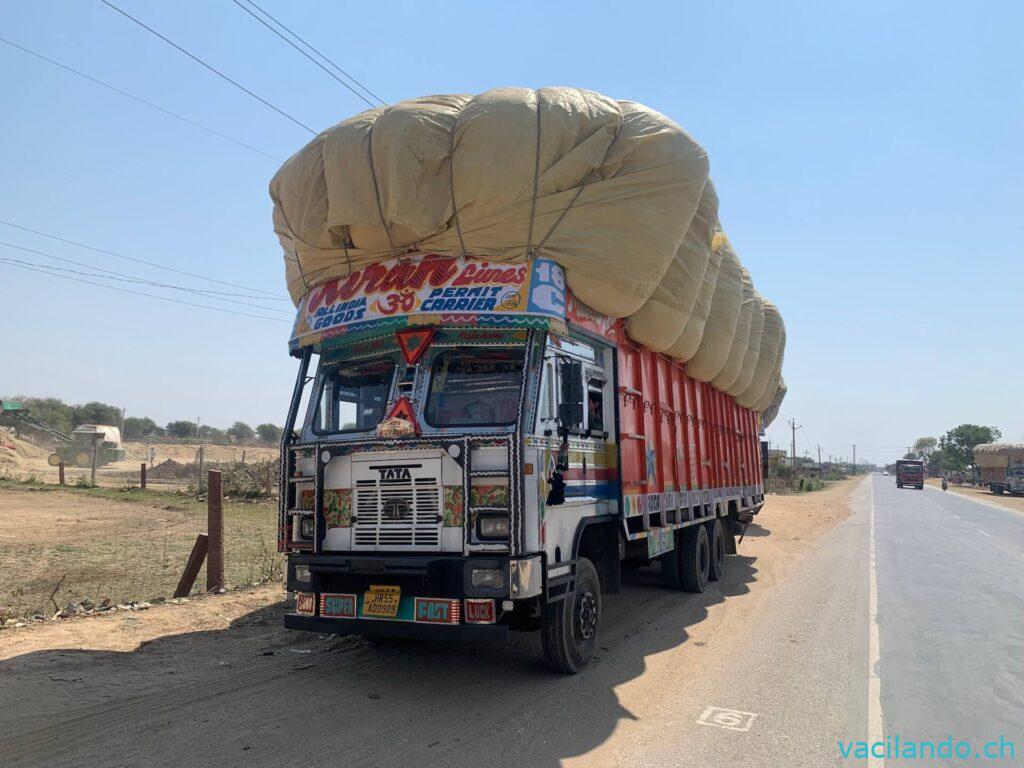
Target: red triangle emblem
<point>414,341</point>
<point>400,421</point>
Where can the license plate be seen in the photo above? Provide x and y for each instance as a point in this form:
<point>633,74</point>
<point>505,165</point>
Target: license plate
<point>381,601</point>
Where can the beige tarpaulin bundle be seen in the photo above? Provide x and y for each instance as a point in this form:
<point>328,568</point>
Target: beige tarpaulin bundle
<point>753,352</point>
<point>772,338</point>
<point>613,191</point>
<point>660,322</point>
<point>605,188</point>
<point>734,362</point>
<point>998,454</point>
<point>720,328</point>
<point>772,411</point>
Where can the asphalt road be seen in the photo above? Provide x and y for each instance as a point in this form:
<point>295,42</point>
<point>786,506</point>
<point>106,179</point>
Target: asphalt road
<point>772,666</point>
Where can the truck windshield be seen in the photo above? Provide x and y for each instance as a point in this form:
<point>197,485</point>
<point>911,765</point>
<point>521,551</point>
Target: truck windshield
<point>354,396</point>
<point>475,388</point>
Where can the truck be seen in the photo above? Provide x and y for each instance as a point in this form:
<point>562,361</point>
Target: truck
<point>1001,466</point>
<point>471,450</point>
<point>910,472</point>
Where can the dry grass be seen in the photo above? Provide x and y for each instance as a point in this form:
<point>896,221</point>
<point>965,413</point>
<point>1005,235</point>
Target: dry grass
<point>118,545</point>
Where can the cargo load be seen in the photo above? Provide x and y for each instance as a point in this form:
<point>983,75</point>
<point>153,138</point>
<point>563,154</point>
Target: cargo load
<point>1001,466</point>
<point>615,193</point>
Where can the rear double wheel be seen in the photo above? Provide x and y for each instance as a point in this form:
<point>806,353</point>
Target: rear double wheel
<point>716,543</point>
<point>569,633</point>
<point>688,566</point>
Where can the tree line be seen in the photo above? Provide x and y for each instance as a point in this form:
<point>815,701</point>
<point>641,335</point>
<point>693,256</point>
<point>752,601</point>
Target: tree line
<point>57,414</point>
<point>953,451</point>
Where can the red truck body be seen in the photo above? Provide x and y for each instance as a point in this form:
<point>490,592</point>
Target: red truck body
<point>910,472</point>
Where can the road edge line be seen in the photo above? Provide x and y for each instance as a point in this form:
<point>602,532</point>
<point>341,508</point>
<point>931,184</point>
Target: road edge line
<point>876,733</point>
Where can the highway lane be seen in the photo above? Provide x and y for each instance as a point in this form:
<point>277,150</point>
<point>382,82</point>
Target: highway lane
<point>950,577</point>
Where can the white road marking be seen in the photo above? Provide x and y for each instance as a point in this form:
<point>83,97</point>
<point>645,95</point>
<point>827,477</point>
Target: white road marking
<point>983,533</point>
<point>875,730</point>
<point>730,719</point>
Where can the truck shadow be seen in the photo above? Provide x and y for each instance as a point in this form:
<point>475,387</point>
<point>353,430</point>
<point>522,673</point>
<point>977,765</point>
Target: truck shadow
<point>256,694</point>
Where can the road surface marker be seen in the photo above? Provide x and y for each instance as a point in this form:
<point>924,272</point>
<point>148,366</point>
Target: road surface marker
<point>730,719</point>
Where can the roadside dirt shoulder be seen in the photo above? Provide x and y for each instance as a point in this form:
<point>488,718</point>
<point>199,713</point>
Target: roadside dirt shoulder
<point>978,493</point>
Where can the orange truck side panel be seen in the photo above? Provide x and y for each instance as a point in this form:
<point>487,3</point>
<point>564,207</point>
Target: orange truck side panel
<point>678,433</point>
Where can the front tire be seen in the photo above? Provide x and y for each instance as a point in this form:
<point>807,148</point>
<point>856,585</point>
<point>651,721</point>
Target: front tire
<point>569,634</point>
<point>716,544</point>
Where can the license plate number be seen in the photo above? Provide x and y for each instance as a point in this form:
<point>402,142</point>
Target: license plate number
<point>381,601</point>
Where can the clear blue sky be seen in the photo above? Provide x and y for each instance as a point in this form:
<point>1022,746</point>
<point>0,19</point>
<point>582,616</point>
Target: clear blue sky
<point>868,158</point>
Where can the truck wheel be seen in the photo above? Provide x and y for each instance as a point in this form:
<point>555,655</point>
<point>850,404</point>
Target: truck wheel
<point>899,485</point>
<point>671,565</point>
<point>83,459</point>
<point>716,545</point>
<point>569,634</point>
<point>695,557</point>
<point>997,489</point>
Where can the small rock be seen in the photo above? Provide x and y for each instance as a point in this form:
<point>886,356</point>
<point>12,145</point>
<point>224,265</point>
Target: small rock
<point>143,606</point>
<point>124,607</point>
<point>159,600</point>
<point>71,609</point>
<point>10,622</point>
<point>223,663</point>
<point>105,604</point>
<point>19,623</point>
<point>86,603</point>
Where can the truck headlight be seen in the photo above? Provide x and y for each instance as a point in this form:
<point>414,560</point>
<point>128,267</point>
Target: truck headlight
<point>306,527</point>
<point>492,578</point>
<point>301,574</point>
<point>494,527</point>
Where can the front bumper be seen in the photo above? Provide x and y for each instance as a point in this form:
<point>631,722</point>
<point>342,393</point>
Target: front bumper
<point>378,628</point>
<point>337,584</point>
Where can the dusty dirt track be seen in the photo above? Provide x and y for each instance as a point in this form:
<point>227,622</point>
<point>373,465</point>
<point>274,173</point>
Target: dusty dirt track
<point>139,688</point>
<point>21,458</point>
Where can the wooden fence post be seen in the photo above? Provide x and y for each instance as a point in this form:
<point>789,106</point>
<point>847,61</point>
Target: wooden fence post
<point>195,562</point>
<point>215,532</point>
<point>142,476</point>
<point>60,471</point>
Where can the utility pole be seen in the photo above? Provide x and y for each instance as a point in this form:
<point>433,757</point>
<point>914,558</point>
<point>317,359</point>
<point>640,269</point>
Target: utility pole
<point>819,455</point>
<point>794,427</point>
<point>855,458</point>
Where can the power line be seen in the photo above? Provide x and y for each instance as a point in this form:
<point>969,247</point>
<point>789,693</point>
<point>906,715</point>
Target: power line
<point>79,281</point>
<point>297,48</point>
<point>141,100</point>
<point>136,278</point>
<point>210,67</point>
<point>126,279</point>
<point>139,261</point>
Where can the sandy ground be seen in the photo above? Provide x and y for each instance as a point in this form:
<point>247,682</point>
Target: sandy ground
<point>795,523</point>
<point>978,493</point>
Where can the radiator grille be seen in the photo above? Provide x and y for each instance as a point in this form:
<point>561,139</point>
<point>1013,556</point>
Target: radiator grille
<point>398,514</point>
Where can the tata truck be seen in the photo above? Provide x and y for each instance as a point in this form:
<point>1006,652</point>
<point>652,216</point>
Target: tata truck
<point>470,450</point>
<point>910,472</point>
<point>1008,479</point>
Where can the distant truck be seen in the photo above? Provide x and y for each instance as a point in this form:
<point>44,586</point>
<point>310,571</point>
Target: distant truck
<point>910,472</point>
<point>1001,466</point>
<point>75,448</point>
